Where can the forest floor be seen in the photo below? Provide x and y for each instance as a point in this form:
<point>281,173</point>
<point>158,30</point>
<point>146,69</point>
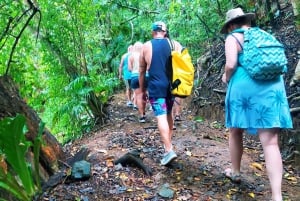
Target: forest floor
<point>197,173</point>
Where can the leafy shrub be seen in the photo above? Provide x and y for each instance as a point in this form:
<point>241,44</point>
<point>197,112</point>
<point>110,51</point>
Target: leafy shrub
<point>16,175</point>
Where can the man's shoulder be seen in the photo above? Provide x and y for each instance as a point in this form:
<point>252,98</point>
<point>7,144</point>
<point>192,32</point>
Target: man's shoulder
<point>147,43</point>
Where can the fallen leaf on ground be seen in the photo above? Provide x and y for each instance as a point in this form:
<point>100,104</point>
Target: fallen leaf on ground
<point>256,165</point>
<point>251,195</point>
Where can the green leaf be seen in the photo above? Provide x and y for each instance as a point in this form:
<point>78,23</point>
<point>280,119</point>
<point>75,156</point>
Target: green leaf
<point>10,184</point>
<point>198,119</point>
<point>14,146</point>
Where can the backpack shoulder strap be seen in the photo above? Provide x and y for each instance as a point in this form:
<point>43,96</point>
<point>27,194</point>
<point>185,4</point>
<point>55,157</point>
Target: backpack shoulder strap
<point>171,43</point>
<point>241,30</point>
<point>236,39</point>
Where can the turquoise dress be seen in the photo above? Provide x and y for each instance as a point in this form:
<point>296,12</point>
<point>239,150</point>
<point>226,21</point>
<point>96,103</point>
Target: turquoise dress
<point>251,104</point>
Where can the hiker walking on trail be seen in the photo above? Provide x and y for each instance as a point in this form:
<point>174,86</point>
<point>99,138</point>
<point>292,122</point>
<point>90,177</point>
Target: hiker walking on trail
<point>134,67</point>
<point>177,108</point>
<point>155,59</point>
<point>125,74</point>
<point>256,106</point>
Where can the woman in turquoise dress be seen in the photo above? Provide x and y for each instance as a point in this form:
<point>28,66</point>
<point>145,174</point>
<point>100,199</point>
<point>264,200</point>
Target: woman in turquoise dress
<point>257,107</point>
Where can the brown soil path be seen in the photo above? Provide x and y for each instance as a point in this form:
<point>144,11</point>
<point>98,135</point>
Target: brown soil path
<point>202,156</point>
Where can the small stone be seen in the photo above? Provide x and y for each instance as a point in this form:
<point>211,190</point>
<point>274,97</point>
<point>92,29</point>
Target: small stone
<point>166,192</point>
<point>81,170</point>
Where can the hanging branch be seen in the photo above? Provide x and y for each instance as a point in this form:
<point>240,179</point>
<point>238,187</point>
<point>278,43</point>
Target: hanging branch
<point>5,33</point>
<point>207,29</point>
<point>17,38</point>
<point>39,24</point>
<point>135,9</point>
<point>132,31</point>
<point>20,18</point>
<point>129,20</point>
<point>31,5</point>
<point>10,19</point>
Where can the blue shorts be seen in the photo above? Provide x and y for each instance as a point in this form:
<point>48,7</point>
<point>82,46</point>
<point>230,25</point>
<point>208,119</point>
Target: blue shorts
<point>135,83</point>
<point>161,106</point>
<point>127,83</point>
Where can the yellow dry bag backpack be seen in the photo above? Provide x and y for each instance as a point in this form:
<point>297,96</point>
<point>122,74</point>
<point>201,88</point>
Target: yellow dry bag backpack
<point>182,73</point>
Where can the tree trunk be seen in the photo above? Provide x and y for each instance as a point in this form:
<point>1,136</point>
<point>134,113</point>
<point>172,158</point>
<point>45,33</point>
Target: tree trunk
<point>11,104</point>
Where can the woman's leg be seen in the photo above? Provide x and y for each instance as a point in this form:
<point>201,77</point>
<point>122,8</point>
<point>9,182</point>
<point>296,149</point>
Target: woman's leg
<point>141,103</point>
<point>269,141</point>
<point>177,108</point>
<point>134,98</point>
<point>128,92</point>
<point>236,149</point>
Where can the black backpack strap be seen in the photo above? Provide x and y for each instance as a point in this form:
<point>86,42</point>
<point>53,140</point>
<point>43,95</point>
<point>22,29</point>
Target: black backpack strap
<point>238,30</point>
<point>237,40</point>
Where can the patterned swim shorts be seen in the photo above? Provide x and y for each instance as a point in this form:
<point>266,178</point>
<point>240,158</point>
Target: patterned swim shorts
<point>162,106</point>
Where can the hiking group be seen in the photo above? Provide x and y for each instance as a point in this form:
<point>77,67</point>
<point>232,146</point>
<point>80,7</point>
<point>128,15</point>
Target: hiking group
<point>262,109</point>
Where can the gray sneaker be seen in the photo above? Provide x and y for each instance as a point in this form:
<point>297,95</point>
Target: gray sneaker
<point>168,157</point>
<point>129,104</point>
<point>142,119</point>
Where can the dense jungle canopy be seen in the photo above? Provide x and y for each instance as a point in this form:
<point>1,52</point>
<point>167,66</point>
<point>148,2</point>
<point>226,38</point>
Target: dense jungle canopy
<point>59,60</point>
<point>64,55</point>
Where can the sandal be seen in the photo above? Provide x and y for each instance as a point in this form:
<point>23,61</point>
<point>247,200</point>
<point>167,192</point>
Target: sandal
<point>235,178</point>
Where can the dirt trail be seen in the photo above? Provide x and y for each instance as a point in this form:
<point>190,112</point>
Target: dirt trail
<point>197,174</point>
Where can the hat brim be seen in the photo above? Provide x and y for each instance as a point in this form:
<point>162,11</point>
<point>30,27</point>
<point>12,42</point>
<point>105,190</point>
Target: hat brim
<point>159,26</point>
<point>249,16</point>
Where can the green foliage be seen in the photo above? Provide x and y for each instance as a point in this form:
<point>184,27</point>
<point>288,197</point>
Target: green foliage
<point>13,148</point>
<point>198,119</point>
<point>80,45</point>
<point>72,116</point>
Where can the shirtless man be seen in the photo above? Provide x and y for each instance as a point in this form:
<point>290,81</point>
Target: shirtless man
<point>134,66</point>
<point>154,58</point>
